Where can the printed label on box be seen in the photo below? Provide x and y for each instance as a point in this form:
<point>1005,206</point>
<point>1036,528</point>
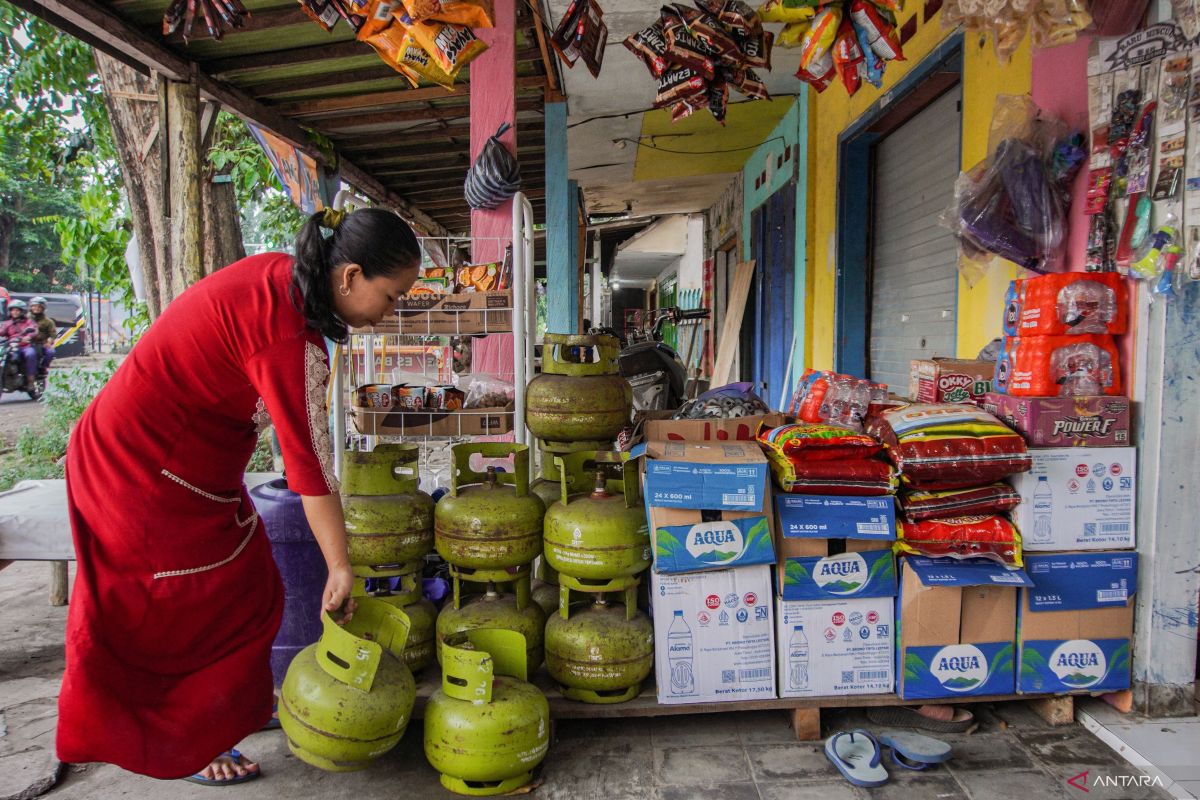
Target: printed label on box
<point>958,670</point>
<point>866,574</point>
<point>1076,665</point>
<point>1081,581</point>
<point>836,647</point>
<point>731,487</point>
<point>965,572</point>
<point>821,517</point>
<point>1078,498</point>
<point>713,545</point>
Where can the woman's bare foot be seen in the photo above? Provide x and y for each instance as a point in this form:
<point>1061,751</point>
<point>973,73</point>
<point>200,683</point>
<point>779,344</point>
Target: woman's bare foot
<point>228,766</point>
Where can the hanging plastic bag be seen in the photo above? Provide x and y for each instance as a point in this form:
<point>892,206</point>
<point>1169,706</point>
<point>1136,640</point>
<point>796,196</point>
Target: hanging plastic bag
<point>495,176</point>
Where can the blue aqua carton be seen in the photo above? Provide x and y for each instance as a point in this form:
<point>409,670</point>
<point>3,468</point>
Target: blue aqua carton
<point>836,629</point>
<point>690,540</point>
<point>957,623</point>
<point>714,476</point>
<point>1074,627</point>
<point>714,635</point>
<point>805,525</point>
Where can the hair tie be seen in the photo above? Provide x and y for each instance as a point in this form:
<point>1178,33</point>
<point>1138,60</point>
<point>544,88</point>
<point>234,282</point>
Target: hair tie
<point>332,219</point>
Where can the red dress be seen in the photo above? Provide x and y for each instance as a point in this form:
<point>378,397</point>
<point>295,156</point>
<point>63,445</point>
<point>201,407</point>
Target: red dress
<point>177,600</point>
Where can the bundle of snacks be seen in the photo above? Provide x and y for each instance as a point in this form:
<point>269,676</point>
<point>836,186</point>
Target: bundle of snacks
<point>1062,366</point>
<point>843,400</point>
<point>949,446</point>
<point>848,39</point>
<point>919,505</point>
<point>1054,22</point>
<point>698,54</point>
<point>810,458</point>
<point>993,537</point>
<point>582,33</point>
<point>410,398</point>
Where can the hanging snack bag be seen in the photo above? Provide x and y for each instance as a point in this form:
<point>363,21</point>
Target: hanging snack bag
<point>563,39</point>
<point>863,477</point>
<point>756,49</point>
<point>450,46</point>
<point>980,500</point>
<point>848,58</point>
<point>873,65</point>
<point>821,36</point>
<point>681,85</point>
<point>472,13</point>
<point>747,82</point>
<point>994,538</point>
<point>323,12</point>
<point>718,100</point>
<point>949,446</point>
<point>377,16</point>
<point>793,34</point>
<point>737,16</point>
<point>818,442</point>
<point>685,49</point>
<point>710,32</point>
<point>819,75</point>
<point>389,44</point>
<point>880,31</point>
<point>787,11</point>
<point>415,61</point>
<point>650,45</point>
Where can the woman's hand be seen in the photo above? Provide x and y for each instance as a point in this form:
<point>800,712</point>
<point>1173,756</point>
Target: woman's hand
<point>337,593</point>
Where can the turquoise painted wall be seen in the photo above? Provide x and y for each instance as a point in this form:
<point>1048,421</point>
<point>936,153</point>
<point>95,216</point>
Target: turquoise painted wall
<point>791,130</point>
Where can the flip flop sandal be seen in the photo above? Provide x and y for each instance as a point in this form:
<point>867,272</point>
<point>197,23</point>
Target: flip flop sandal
<point>273,724</point>
<point>904,717</point>
<point>856,754</point>
<point>236,756</point>
<point>914,751</point>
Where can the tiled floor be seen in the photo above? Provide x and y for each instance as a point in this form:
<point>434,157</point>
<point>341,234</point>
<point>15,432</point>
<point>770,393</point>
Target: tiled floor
<point>1168,749</point>
<point>734,756</point>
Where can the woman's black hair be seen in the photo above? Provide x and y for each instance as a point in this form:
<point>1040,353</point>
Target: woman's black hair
<point>377,240</point>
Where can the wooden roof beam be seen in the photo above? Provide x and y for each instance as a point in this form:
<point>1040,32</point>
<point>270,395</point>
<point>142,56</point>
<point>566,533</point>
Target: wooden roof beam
<point>384,118</point>
<point>333,105</point>
<point>256,22</point>
<point>231,65</point>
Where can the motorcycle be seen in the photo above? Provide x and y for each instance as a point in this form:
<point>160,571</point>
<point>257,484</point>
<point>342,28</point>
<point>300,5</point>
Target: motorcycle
<point>12,375</point>
<point>657,374</point>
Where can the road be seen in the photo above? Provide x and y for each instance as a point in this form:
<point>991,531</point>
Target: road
<point>17,411</point>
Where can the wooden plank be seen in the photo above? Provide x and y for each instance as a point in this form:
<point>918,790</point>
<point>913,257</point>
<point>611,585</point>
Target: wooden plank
<point>735,309</point>
<point>58,583</point>
<point>306,108</point>
<point>806,723</point>
<point>257,21</point>
<point>1056,711</point>
<point>554,92</point>
<point>280,86</point>
<point>224,67</point>
<point>393,119</point>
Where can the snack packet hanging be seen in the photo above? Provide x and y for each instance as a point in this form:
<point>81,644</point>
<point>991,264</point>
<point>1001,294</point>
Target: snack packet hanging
<point>793,34</point>
<point>450,46</point>
<point>993,537</point>
<point>848,57</point>
<point>377,16</point>
<point>472,13</point>
<point>873,65</point>
<point>686,50</point>
<point>323,12</point>
<point>738,17</point>
<point>389,44</point>
<point>650,45</point>
<point>880,31</point>
<point>818,442</point>
<point>747,82</point>
<point>997,498</point>
<point>718,100</point>
<point>415,61</point>
<point>821,36</point>
<point>681,85</point>
<point>819,74</point>
<point>787,11</point>
<point>705,27</point>
<point>756,49</point>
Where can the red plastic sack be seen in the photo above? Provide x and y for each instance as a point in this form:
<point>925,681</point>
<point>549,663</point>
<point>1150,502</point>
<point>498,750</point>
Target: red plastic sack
<point>818,442</point>
<point>864,477</point>
<point>949,446</point>
<point>992,537</point>
<point>921,505</point>
<point>1058,366</point>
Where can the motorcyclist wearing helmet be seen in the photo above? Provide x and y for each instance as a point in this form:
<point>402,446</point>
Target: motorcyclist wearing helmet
<point>46,335</point>
<point>19,331</point>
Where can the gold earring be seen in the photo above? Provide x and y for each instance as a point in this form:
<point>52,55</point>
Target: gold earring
<point>345,290</point>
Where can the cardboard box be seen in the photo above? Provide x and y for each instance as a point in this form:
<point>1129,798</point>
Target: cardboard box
<point>1075,625</point>
<point>840,569</point>
<point>835,647</point>
<point>706,430</point>
<point>1064,421</point>
<point>470,312</point>
<point>469,422</point>
<point>714,638</point>
<point>687,540</point>
<point>950,380</point>
<point>1078,498</point>
<point>729,476</point>
<point>957,624</point>
<point>836,517</point>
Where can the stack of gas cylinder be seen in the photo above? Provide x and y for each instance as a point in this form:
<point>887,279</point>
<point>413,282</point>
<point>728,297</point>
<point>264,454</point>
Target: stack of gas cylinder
<point>389,530</point>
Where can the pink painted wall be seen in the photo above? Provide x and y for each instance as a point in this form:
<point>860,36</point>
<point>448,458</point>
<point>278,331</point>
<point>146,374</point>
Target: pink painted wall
<point>1060,90</point>
<point>493,101</point>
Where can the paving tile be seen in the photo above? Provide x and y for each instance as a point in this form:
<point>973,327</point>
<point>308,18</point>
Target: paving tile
<point>1115,782</point>
<point>1022,784</point>
<point>908,785</point>
<point>693,730</point>
<point>796,761</point>
<point>765,727</point>
<point>598,777</point>
<point>806,790</point>
<point>988,752</point>
<point>700,765</point>
<point>1073,745</point>
<point>719,791</point>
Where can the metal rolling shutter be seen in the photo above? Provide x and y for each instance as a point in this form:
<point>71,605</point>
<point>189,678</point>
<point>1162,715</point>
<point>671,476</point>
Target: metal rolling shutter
<point>914,282</point>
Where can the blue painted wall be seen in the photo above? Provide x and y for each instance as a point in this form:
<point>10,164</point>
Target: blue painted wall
<point>562,229</point>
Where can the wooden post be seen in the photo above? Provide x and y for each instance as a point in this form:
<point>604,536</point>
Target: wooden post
<point>562,233</point>
<point>58,583</point>
<point>806,723</point>
<point>186,260</point>
<point>493,102</point>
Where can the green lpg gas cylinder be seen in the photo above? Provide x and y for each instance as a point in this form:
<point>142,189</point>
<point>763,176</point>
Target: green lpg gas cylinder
<point>347,699</point>
<point>580,395</point>
<point>388,519</point>
<point>421,647</point>
<point>487,727</point>
<point>548,485</point>
<point>544,588</point>
<point>489,521</point>
<point>600,537</point>
<point>513,611</point>
<point>602,651</point>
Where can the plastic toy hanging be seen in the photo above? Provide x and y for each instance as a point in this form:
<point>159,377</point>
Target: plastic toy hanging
<point>1158,260</point>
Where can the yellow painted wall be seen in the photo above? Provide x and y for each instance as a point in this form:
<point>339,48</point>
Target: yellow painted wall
<point>980,307</point>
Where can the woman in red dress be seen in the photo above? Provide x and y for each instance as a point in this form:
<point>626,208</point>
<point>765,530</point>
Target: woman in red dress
<point>177,599</point>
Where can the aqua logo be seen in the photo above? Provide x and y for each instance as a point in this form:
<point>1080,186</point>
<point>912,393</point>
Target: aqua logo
<point>959,667</point>
<point>1079,663</point>
<point>842,574</point>
<point>715,542</point>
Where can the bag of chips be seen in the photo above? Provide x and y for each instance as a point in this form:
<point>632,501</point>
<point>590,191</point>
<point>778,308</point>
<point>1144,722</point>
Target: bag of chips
<point>818,442</point>
<point>756,49</point>
<point>323,12</point>
<point>787,11</point>
<point>880,30</point>
<point>792,34</point>
<point>718,100</point>
<point>450,46</point>
<point>861,477</point>
<point>983,500</point>
<point>472,13</point>
<point>681,85</point>
<point>993,537</point>
<point>820,74</point>
<point>872,64</point>
<point>820,37</point>
<point>949,446</point>
<point>389,44</point>
<point>415,63</point>
<point>376,16</point>
<point>737,17</point>
<point>687,50</point>
<point>650,45</point>
<point>848,57</point>
<point>747,82</point>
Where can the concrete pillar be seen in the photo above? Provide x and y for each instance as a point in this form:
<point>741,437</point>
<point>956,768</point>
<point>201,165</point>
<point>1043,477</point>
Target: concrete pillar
<point>562,228</point>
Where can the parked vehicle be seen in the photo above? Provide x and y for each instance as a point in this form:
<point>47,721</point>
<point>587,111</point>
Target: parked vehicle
<point>654,370</point>
<point>66,310</point>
